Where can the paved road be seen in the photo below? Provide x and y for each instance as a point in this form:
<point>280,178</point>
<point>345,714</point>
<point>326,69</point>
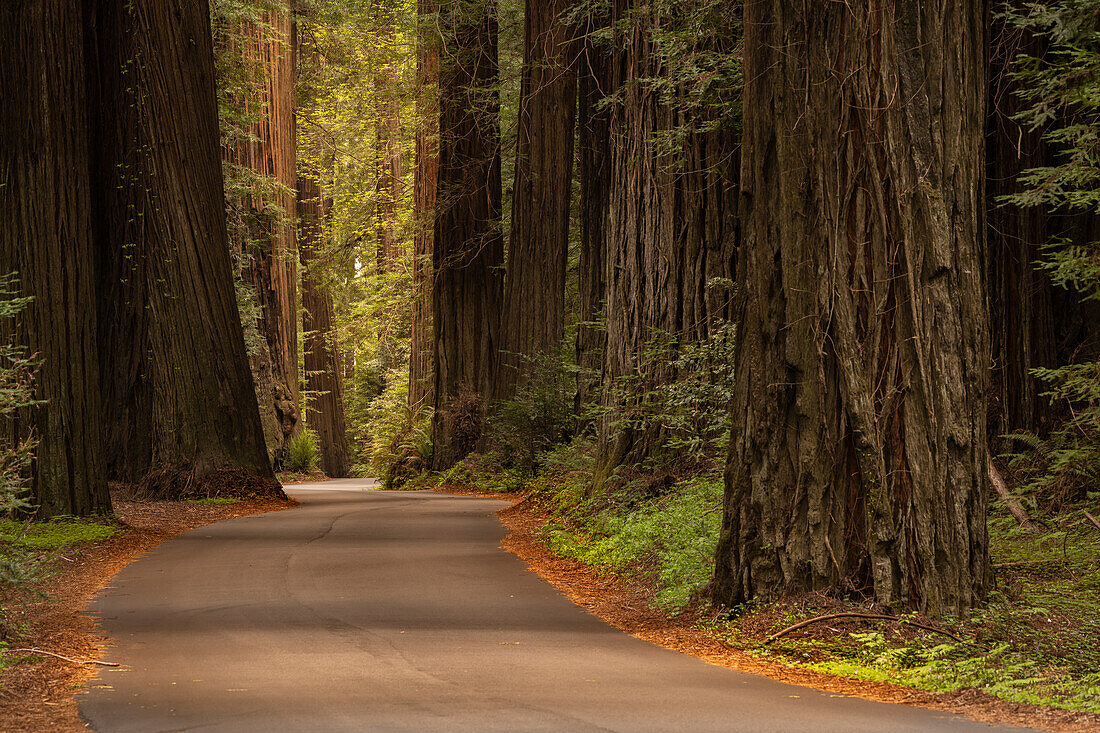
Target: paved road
<point>397,611</point>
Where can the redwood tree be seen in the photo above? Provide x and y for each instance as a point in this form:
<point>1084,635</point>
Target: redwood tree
<point>469,248</point>
<point>669,231</point>
<point>858,459</point>
<point>45,225</point>
<point>534,288</point>
<point>324,375</point>
<point>180,410</point>
<point>424,198</point>
<point>262,157</point>
<point>593,172</point>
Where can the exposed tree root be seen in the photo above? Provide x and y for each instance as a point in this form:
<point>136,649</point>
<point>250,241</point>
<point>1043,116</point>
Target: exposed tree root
<point>185,482</point>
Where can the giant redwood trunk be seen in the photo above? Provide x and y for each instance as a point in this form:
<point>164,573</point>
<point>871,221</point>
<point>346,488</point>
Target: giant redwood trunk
<point>424,195</point>
<point>858,457</point>
<point>45,224</point>
<point>669,231</point>
<point>180,409</point>
<point>534,289</point>
<point>468,243</point>
<point>263,236</point>
<point>593,171</point>
<point>324,378</point>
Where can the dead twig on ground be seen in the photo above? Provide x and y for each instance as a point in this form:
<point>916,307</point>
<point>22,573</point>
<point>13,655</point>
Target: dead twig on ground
<point>869,616</point>
<point>59,656</point>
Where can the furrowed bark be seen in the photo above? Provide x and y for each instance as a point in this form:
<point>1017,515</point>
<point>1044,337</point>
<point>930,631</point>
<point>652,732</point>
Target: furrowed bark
<point>264,238</point>
<point>421,383</point>
<point>180,408</point>
<point>858,458</point>
<point>534,287</point>
<point>469,250</point>
<point>669,232</point>
<point>593,142</point>
<point>45,224</point>
<point>324,379</point>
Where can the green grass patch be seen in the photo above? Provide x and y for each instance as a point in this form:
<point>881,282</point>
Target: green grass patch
<point>56,534</point>
<point>216,500</point>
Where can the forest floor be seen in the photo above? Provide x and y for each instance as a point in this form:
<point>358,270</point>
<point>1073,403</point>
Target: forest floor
<point>38,691</point>
<point>629,602</point>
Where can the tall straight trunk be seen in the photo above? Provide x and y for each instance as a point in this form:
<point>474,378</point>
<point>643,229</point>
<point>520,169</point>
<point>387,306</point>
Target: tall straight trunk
<point>594,168</point>
<point>669,231</point>
<point>421,384</point>
<point>389,189</point>
<point>534,287</point>
<point>1020,297</point>
<point>180,408</point>
<point>45,224</point>
<point>264,239</point>
<point>858,459</point>
<point>323,368</point>
<point>469,248</point>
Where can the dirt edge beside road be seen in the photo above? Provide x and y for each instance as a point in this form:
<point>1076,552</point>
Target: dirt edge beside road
<point>41,695</point>
<point>627,606</point>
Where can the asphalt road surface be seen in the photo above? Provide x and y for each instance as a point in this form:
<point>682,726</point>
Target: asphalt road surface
<point>398,611</point>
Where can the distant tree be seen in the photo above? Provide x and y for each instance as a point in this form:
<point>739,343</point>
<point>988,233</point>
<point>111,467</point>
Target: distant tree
<point>180,409</point>
<point>256,54</point>
<point>858,458</point>
<point>469,250</point>
<point>593,172</point>
<point>533,317</point>
<point>424,199</point>
<point>323,372</point>
<point>45,238</point>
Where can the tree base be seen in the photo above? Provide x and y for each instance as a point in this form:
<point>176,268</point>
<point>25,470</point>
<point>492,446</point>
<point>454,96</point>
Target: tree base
<point>185,482</point>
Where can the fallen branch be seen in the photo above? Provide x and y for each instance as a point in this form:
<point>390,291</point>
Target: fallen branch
<point>1092,519</point>
<point>67,659</point>
<point>871,616</point>
<point>1014,507</point>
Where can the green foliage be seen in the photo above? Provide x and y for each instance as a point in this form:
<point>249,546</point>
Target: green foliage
<point>56,534</point>
<point>1062,87</point>
<point>540,416</point>
<point>216,500</point>
<point>17,369</point>
<point>302,454</point>
<point>669,539</point>
<point>683,390</point>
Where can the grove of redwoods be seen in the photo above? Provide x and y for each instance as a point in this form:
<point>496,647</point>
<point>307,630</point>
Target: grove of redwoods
<point>842,249</point>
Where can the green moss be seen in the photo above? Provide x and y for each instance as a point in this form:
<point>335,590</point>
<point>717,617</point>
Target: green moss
<point>216,500</point>
<point>57,533</point>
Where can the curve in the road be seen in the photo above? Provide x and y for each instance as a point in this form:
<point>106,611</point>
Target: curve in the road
<point>398,611</point>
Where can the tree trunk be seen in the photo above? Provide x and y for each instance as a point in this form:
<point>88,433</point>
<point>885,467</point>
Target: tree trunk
<point>593,143</point>
<point>180,405</point>
<point>1020,297</point>
<point>45,225</point>
<point>858,459</point>
<point>421,384</point>
<point>534,287</point>
<point>669,234</point>
<point>388,192</point>
<point>325,414</point>
<point>264,237</point>
<point>468,244</point>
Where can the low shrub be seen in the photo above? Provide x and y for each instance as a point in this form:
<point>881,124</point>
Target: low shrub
<point>302,454</point>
